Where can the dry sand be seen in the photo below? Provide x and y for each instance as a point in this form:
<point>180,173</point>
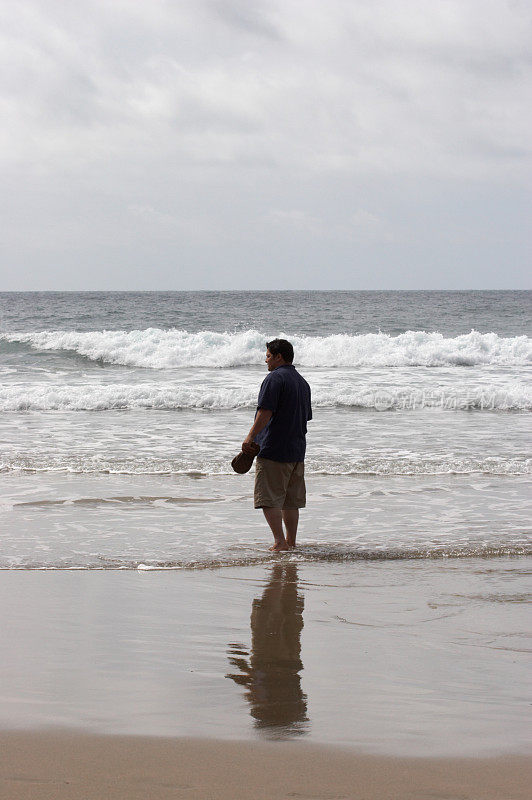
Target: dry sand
<point>66,766</point>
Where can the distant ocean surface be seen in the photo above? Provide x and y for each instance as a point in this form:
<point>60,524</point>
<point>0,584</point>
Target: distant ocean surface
<point>120,413</point>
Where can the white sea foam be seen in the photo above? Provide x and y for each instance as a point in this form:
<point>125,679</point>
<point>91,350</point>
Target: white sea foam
<point>106,397</point>
<point>162,349</point>
<point>312,553</point>
<point>513,396</point>
<point>392,464</point>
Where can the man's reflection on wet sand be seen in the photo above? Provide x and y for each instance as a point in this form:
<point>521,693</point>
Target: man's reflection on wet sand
<point>270,671</point>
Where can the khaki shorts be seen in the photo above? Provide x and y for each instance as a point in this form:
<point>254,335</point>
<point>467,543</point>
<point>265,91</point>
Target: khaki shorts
<point>279,484</point>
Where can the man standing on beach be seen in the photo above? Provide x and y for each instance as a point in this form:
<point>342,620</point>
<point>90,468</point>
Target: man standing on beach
<point>280,427</point>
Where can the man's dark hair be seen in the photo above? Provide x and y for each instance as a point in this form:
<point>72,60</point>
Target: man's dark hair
<point>283,347</point>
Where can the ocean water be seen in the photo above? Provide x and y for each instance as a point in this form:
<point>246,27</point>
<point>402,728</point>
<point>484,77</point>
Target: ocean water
<point>138,589</point>
<point>120,413</point>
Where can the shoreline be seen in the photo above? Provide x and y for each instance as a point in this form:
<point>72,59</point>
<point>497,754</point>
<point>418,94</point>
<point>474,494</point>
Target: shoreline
<point>67,765</point>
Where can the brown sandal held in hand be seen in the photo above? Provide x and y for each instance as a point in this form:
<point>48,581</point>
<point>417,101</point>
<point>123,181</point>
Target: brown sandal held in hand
<point>243,461</point>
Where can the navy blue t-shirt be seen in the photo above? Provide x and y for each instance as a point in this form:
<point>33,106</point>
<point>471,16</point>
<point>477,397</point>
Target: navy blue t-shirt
<point>287,395</point>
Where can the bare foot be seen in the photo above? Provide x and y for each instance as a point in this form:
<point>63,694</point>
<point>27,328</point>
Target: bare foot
<point>278,547</point>
<point>291,545</point>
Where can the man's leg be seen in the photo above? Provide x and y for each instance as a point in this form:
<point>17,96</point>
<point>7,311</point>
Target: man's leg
<point>290,519</point>
<point>274,518</point>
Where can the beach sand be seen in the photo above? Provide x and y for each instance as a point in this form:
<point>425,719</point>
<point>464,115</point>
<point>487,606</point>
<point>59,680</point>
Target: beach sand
<point>64,766</point>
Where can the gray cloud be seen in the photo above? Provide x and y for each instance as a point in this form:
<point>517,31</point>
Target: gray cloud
<point>253,18</point>
<point>159,145</point>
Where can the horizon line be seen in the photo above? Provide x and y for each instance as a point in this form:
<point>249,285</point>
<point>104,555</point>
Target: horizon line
<point>269,291</point>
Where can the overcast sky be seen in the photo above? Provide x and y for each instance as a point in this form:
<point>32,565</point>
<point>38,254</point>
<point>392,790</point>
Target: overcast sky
<point>249,144</point>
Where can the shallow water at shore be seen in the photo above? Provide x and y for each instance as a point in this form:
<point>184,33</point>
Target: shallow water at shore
<point>58,521</point>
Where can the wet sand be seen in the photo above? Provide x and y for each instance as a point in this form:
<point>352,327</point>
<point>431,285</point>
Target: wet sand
<point>65,766</point>
<point>406,658</point>
<point>307,682</point>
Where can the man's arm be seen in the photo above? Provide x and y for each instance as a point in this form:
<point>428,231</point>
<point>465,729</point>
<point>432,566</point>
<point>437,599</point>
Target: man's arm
<point>264,415</point>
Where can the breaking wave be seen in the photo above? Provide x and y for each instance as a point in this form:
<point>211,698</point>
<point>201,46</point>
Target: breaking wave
<point>156,348</point>
<point>106,397</point>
